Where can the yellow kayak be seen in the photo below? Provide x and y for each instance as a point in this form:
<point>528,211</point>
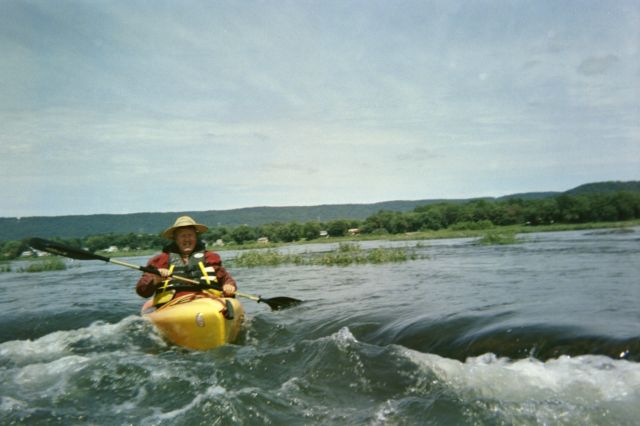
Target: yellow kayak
<point>197,322</point>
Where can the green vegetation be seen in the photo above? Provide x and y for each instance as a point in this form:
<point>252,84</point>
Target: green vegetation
<point>345,254</point>
<point>50,264</point>
<point>12,229</point>
<point>348,254</point>
<point>461,218</point>
<point>474,218</point>
<point>600,187</point>
<point>469,225</point>
<point>498,238</point>
<point>254,258</point>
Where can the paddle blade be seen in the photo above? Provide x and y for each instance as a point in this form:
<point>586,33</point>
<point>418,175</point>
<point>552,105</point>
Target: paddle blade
<point>277,303</point>
<point>64,250</point>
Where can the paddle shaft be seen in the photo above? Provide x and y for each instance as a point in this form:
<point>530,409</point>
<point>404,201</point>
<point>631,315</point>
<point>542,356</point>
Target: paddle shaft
<point>179,278</point>
<point>151,270</point>
<point>275,303</point>
<point>80,254</point>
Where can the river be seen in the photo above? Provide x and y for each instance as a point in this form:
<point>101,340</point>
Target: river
<point>546,331</point>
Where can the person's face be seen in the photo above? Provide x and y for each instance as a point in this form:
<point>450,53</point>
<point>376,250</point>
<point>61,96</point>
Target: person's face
<point>186,240</point>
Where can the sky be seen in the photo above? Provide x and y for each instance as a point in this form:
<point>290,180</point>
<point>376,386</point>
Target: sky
<point>124,106</point>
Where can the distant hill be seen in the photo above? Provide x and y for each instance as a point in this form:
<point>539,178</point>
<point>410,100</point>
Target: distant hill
<point>530,195</point>
<point>610,186</point>
<point>153,223</point>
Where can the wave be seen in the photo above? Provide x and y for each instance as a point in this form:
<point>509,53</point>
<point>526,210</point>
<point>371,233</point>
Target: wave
<point>132,333</point>
<point>566,390</point>
<point>462,337</point>
<point>124,373</point>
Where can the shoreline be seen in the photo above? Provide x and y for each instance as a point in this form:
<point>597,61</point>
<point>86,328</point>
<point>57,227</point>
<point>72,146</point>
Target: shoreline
<point>349,251</point>
<point>420,235</point>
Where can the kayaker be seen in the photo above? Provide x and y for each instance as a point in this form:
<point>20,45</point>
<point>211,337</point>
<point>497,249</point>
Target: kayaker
<point>185,256</point>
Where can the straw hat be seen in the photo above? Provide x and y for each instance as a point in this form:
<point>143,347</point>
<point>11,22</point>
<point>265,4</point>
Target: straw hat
<point>181,222</point>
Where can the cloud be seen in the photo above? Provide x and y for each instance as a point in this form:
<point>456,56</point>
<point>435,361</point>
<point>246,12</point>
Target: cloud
<point>307,102</point>
<point>597,65</point>
<point>418,155</point>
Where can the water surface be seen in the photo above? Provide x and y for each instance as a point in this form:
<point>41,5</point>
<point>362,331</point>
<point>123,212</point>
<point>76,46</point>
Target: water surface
<point>541,332</point>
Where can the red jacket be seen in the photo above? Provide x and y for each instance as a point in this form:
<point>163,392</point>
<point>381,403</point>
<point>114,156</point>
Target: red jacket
<point>145,286</point>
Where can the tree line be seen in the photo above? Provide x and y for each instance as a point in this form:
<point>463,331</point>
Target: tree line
<point>475,214</point>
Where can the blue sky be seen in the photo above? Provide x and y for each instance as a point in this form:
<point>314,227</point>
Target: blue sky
<point>137,106</point>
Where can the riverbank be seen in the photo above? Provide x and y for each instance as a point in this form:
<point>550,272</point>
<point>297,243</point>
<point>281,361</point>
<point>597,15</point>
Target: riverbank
<point>347,249</point>
<point>422,235</point>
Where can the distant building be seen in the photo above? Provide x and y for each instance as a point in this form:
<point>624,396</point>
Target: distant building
<point>263,240</point>
<point>34,253</point>
<point>324,234</point>
<point>353,231</point>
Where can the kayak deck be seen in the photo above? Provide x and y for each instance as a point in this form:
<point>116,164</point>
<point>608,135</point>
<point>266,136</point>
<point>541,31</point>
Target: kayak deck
<point>197,322</point>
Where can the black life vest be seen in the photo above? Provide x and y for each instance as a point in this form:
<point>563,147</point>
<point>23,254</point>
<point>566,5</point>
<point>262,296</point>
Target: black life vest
<point>195,268</point>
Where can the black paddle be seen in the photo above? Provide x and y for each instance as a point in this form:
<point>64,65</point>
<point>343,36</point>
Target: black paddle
<point>275,303</point>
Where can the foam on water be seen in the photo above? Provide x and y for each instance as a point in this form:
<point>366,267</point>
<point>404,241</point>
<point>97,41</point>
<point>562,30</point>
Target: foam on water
<point>65,371</point>
<point>343,337</point>
<point>61,343</point>
<point>210,394</point>
<point>589,388</point>
<point>40,376</point>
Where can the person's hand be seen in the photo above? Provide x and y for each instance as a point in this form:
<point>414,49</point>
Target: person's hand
<point>228,290</point>
<point>164,273</point>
